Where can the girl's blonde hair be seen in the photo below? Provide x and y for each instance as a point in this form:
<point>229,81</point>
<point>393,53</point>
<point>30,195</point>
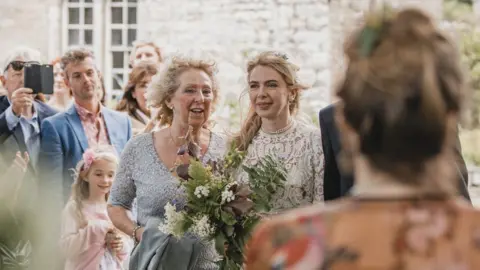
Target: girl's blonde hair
<point>166,83</point>
<point>280,63</point>
<point>80,187</point>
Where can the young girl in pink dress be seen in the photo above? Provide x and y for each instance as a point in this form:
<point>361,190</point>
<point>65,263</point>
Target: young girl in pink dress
<point>89,239</point>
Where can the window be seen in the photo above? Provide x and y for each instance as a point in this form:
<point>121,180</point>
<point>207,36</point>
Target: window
<point>79,23</point>
<point>121,33</point>
<point>108,28</point>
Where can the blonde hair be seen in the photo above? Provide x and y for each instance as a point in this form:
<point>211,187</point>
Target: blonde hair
<point>399,90</point>
<point>138,44</point>
<point>80,187</point>
<point>166,83</point>
<point>279,62</point>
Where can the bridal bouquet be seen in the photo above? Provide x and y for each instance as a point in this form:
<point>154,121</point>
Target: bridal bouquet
<point>221,209</point>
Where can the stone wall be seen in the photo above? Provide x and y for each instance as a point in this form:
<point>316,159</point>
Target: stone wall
<point>231,31</point>
<point>311,32</point>
<point>29,23</point>
<point>346,14</point>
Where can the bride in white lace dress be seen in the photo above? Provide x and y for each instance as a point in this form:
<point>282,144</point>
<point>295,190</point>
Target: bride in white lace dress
<point>271,129</point>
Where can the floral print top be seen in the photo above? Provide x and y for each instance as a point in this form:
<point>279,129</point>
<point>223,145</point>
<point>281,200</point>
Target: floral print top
<point>357,234</point>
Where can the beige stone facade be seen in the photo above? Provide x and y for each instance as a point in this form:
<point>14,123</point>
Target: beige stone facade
<point>311,32</point>
<point>345,14</point>
<point>30,23</point>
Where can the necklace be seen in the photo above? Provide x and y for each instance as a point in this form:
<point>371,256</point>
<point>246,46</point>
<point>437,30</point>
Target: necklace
<point>173,139</point>
<point>282,130</point>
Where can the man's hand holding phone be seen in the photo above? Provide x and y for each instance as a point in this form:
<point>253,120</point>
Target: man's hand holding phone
<point>22,101</point>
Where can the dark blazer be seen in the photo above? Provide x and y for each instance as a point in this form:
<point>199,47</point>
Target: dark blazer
<point>65,141</point>
<point>13,141</point>
<point>337,184</point>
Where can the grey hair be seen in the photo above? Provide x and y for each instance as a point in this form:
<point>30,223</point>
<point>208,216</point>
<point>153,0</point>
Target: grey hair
<point>28,54</point>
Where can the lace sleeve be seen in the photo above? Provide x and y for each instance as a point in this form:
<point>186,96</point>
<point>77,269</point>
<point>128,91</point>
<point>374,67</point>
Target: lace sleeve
<point>318,165</point>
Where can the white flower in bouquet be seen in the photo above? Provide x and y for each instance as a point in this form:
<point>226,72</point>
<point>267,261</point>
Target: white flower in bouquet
<point>227,196</point>
<point>172,221</point>
<point>203,228</point>
<point>201,191</point>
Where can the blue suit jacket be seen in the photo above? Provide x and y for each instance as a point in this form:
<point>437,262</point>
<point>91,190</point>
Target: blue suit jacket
<point>63,144</point>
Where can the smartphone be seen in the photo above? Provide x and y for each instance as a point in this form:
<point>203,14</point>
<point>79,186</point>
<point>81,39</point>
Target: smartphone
<point>47,79</point>
<point>39,78</point>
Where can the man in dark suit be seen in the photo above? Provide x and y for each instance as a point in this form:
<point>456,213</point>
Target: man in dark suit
<point>337,183</point>
<point>21,115</point>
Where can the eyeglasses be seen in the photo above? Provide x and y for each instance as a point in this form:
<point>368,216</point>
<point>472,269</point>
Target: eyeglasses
<point>18,65</point>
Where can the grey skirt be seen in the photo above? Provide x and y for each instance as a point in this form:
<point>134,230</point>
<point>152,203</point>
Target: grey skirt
<point>160,251</point>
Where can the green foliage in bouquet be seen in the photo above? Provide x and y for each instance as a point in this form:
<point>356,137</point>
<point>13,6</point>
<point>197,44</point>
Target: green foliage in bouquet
<point>220,209</point>
<point>17,258</point>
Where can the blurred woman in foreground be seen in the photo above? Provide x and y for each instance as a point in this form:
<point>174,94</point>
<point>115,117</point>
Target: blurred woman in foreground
<point>401,98</point>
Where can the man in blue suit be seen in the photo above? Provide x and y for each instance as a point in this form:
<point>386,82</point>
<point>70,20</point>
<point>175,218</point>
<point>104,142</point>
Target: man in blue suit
<point>85,124</point>
<point>21,114</point>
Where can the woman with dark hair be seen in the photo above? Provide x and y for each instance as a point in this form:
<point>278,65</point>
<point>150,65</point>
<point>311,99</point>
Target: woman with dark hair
<point>133,100</point>
<point>400,102</point>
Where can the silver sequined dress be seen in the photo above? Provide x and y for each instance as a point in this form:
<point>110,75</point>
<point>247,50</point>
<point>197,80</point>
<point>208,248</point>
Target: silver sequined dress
<point>143,175</point>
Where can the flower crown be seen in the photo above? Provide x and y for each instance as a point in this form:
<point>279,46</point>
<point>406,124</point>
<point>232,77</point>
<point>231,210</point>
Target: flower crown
<point>88,158</point>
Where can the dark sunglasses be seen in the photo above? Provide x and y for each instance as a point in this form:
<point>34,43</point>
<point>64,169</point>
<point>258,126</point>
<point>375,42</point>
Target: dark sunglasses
<point>18,65</point>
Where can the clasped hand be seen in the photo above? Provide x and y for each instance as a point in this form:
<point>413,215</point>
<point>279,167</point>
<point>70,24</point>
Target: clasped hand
<point>113,240</point>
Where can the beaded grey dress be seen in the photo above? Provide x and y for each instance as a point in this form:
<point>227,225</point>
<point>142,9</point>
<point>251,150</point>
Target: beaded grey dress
<point>142,175</point>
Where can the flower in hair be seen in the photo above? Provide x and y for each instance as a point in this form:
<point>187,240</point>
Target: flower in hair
<point>88,158</point>
<point>281,55</point>
<point>370,35</point>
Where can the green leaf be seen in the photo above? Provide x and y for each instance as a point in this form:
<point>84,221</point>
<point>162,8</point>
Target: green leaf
<point>229,231</point>
<point>197,171</point>
<point>228,218</point>
<point>220,243</point>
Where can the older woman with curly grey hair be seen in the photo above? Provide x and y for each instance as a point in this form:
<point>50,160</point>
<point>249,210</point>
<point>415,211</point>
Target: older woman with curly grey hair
<point>185,93</point>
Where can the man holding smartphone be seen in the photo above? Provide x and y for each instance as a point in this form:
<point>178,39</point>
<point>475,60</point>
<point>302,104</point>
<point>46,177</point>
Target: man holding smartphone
<point>20,112</point>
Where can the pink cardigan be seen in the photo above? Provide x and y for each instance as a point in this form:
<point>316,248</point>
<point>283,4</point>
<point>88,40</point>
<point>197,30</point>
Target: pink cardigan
<point>85,247</point>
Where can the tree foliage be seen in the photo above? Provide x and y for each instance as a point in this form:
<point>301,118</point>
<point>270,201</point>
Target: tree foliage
<point>460,15</point>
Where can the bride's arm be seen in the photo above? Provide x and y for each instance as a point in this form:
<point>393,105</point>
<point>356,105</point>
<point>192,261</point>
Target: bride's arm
<point>317,160</point>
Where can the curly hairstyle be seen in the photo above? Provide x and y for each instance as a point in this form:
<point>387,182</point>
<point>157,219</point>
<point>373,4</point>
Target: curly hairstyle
<point>164,84</point>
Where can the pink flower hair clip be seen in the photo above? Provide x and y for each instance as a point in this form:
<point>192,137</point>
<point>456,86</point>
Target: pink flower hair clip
<point>88,158</point>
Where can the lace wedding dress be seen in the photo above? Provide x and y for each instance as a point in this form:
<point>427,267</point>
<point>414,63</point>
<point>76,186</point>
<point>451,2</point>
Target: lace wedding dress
<point>299,148</point>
